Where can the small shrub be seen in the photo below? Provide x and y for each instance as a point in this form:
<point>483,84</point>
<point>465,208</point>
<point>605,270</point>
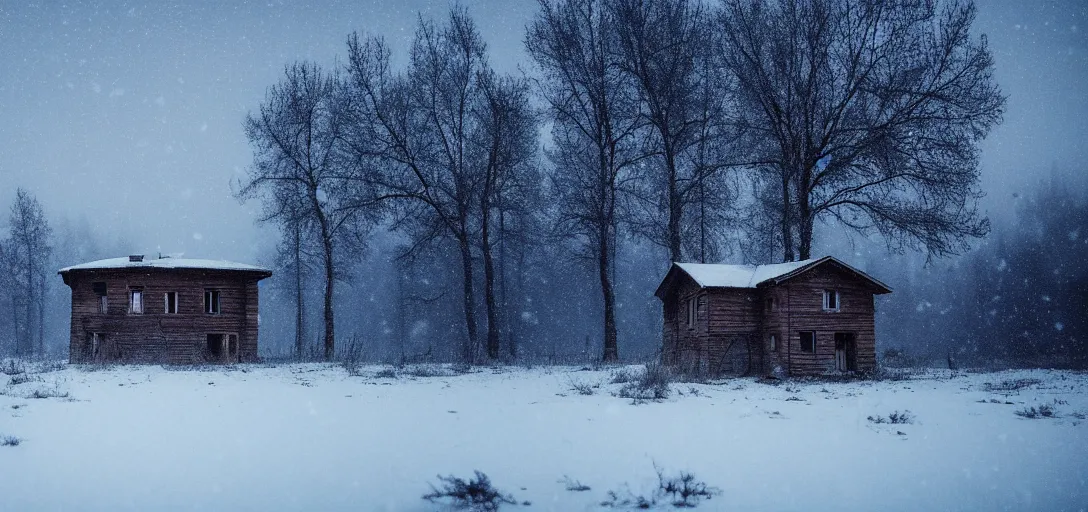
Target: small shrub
<point>895,418</point>
<point>573,485</point>
<point>11,367</point>
<point>622,376</point>
<point>629,500</point>
<point>10,441</point>
<point>21,378</point>
<point>427,370</point>
<point>583,388</point>
<point>683,490</point>
<point>51,366</point>
<point>386,373</point>
<point>44,392</point>
<point>651,384</point>
<point>352,357</point>
<point>1043,411</point>
<point>1010,385</point>
<point>476,494</point>
<point>1079,415</point>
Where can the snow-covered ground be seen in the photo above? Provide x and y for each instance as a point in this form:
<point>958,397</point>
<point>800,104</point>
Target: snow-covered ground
<point>310,437</point>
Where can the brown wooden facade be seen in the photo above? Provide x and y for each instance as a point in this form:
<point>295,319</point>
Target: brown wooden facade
<point>184,316</point>
<point>781,325</point>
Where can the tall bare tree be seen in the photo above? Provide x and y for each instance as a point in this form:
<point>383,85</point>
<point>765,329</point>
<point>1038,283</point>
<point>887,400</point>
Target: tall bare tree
<point>506,140</point>
<point>666,47</point>
<point>299,167</point>
<point>595,122</point>
<point>419,126</point>
<point>869,113</point>
<point>26,256</point>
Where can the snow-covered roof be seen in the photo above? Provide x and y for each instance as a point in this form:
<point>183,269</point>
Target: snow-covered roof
<point>738,276</point>
<point>716,275</point>
<point>166,263</point>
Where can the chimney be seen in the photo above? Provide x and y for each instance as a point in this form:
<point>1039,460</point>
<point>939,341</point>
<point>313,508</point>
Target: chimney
<point>136,258</point>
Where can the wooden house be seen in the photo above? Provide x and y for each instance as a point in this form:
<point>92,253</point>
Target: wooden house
<point>800,318</point>
<point>166,310</point>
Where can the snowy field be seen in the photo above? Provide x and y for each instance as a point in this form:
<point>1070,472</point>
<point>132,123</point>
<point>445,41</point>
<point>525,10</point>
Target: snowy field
<point>309,437</point>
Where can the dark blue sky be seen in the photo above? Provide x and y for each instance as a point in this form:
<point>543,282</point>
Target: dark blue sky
<point>130,114</point>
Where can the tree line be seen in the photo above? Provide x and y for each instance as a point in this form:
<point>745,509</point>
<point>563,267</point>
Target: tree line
<point>710,130</point>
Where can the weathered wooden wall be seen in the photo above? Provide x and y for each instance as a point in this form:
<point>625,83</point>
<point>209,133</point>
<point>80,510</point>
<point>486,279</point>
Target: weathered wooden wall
<point>799,307</point>
<point>155,336</point>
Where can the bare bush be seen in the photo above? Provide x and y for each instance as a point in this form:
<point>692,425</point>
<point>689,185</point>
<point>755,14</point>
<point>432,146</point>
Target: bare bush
<point>351,357</point>
<point>1043,411</point>
<point>386,373</point>
<point>477,494</point>
<point>583,388</point>
<point>683,490</point>
<point>21,378</point>
<point>1010,385</point>
<point>427,370</point>
<point>622,376</point>
<point>651,384</point>
<point>895,418</point>
<point>12,367</point>
<point>10,441</point>
<point>573,485</point>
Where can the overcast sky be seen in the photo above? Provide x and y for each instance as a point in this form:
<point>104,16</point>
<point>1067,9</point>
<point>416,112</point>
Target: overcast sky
<point>131,114</point>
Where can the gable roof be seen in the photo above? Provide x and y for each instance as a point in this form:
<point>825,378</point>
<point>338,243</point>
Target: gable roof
<point>164,263</point>
<point>752,276</point>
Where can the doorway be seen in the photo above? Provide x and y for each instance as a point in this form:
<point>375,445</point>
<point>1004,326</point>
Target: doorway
<point>846,352</point>
<point>221,348</point>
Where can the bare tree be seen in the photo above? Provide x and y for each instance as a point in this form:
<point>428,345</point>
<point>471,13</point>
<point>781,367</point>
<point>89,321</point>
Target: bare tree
<point>299,168</point>
<point>666,47</point>
<point>865,113</point>
<point>595,122</point>
<point>26,256</point>
<point>506,135</point>
<point>419,127</point>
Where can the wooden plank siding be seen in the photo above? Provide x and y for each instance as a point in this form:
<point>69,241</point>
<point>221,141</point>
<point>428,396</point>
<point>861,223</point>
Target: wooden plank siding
<point>156,336</point>
<point>799,307</point>
<point>733,333</point>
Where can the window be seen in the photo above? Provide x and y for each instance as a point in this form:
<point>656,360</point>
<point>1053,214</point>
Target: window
<point>774,343</point>
<point>171,302</point>
<point>136,301</point>
<point>831,300</point>
<point>211,302</point>
<point>693,311</point>
<point>769,305</point>
<point>808,341</point>
<point>103,302</point>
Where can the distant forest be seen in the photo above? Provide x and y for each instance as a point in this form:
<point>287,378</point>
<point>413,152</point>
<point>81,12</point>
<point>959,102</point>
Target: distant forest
<point>431,209</point>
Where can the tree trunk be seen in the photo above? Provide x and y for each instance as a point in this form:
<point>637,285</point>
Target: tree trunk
<point>326,242</point>
<point>611,349</point>
<point>41,314</point>
<point>489,291</point>
<point>804,217</point>
<point>299,305</point>
<point>469,350</point>
<point>786,231</point>
<point>675,208</point>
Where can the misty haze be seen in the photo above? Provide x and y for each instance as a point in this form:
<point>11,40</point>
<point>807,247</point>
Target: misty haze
<point>544,255</point>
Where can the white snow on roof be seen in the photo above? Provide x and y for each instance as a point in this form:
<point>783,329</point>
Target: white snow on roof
<point>738,276</point>
<point>124,262</point>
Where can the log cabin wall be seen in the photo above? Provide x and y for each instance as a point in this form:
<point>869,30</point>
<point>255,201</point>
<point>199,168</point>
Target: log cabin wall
<point>685,346</point>
<point>734,329</point>
<point>799,307</point>
<point>155,336</point>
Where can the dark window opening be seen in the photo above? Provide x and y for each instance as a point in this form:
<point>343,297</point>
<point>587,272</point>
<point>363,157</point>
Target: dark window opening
<point>103,302</point>
<point>232,346</point>
<point>808,341</point>
<point>215,346</point>
<point>770,304</point>
<point>211,302</point>
<point>171,300</point>
<point>774,343</point>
